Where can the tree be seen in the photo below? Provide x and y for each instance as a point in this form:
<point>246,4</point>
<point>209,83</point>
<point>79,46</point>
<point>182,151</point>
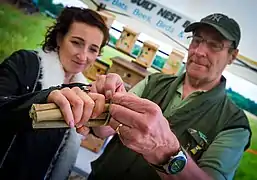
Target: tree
<point>47,5</point>
<point>242,102</point>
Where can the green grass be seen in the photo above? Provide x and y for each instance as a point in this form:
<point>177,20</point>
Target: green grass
<point>248,164</point>
<point>20,31</point>
<point>109,52</point>
<point>253,124</point>
<point>247,168</point>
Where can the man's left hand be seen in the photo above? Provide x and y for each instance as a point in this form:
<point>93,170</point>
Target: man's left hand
<point>142,127</point>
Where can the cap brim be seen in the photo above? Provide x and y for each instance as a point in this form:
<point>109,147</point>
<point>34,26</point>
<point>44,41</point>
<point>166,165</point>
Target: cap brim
<point>223,32</point>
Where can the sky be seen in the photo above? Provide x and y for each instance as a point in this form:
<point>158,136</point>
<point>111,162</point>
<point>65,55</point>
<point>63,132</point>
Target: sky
<point>243,87</point>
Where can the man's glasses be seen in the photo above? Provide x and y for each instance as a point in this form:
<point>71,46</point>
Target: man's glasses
<point>213,45</point>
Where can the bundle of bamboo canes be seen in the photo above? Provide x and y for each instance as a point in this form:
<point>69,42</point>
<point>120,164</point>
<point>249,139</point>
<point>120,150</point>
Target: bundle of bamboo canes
<point>50,116</point>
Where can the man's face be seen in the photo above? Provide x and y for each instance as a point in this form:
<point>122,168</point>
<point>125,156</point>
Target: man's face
<point>208,55</point>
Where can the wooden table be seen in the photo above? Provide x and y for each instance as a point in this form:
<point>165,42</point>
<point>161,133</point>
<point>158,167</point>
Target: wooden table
<point>130,71</point>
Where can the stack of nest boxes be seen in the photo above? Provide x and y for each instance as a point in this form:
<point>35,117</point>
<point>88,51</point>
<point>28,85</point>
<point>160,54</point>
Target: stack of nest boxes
<point>148,52</point>
<point>127,41</point>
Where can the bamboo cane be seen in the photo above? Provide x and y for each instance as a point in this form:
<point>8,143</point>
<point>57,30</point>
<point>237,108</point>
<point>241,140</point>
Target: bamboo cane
<point>50,116</point>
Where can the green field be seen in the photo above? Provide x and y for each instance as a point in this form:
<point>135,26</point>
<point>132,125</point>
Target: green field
<point>248,164</point>
<point>19,31</point>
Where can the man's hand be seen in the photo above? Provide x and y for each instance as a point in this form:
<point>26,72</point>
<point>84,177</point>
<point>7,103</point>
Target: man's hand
<point>77,106</point>
<point>144,129</point>
<point>108,85</point>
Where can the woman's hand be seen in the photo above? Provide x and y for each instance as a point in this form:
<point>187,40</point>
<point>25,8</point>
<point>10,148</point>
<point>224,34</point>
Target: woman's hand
<point>108,85</point>
<point>77,107</point>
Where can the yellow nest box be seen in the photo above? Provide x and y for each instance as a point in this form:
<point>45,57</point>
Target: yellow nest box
<point>174,62</point>
<point>147,54</point>
<point>127,40</point>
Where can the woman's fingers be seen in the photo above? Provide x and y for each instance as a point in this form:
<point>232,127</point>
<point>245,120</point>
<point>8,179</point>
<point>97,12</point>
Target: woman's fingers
<point>88,106</point>
<point>99,100</point>
<point>62,102</point>
<point>77,107</point>
<point>76,103</point>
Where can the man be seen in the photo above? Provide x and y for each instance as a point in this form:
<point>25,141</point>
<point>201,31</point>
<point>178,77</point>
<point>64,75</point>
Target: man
<point>182,127</point>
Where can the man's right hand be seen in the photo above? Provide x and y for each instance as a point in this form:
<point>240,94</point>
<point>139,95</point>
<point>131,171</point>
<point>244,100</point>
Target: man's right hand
<point>108,85</point>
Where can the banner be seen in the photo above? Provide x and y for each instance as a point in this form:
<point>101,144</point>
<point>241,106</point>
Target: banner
<point>168,21</point>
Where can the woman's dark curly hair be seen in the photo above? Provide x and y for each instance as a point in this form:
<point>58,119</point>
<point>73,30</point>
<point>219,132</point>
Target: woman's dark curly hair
<point>64,21</point>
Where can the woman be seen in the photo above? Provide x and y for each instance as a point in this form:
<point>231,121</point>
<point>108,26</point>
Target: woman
<point>71,45</point>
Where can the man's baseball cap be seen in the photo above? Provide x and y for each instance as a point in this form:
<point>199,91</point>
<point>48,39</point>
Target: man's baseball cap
<point>228,27</point>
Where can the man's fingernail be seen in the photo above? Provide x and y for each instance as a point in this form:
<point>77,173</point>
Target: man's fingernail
<point>108,94</point>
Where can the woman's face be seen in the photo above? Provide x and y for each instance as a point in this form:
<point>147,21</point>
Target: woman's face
<point>79,48</point>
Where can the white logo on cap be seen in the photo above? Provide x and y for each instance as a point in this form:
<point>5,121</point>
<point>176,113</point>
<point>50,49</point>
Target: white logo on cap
<point>215,17</point>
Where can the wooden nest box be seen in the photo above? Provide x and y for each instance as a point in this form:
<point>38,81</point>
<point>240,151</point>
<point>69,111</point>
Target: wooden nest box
<point>174,62</point>
<point>147,54</point>
<point>127,40</point>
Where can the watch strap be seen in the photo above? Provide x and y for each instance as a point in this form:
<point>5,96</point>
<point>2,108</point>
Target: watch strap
<point>161,168</point>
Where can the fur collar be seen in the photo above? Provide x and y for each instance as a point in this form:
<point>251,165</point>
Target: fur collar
<point>52,71</point>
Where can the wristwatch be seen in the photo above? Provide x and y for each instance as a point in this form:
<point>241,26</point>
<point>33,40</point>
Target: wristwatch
<point>174,165</point>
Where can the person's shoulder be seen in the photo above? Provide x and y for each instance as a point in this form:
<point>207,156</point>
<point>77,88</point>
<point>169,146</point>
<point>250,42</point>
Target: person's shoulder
<point>236,116</point>
<point>21,57</point>
<point>233,108</point>
<point>24,53</point>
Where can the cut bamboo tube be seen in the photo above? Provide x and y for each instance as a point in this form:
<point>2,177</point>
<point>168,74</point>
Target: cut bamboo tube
<point>50,116</point>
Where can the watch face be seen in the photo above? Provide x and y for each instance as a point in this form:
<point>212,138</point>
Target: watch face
<point>177,164</point>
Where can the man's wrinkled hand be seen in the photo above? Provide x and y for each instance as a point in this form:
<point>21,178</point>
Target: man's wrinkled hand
<point>144,129</point>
